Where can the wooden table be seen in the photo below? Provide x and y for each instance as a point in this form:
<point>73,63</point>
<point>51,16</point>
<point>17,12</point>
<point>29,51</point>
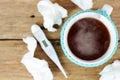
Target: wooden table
<point>16,18</point>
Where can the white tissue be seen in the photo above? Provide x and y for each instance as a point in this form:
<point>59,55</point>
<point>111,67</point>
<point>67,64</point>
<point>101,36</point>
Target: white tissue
<point>111,71</point>
<point>52,14</point>
<point>39,69</point>
<point>83,4</point>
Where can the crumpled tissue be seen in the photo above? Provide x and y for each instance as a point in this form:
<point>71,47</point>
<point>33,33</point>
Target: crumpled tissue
<point>111,71</point>
<point>39,69</point>
<point>83,4</point>
<point>52,14</point>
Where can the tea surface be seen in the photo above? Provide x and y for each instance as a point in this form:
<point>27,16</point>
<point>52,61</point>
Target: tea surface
<point>88,39</point>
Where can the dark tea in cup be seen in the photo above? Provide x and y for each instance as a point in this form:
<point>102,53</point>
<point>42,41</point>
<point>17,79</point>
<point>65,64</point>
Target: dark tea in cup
<point>88,39</point>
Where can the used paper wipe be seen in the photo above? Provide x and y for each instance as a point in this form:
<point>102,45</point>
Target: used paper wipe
<point>39,69</point>
<point>111,71</point>
<point>52,14</point>
<point>83,4</point>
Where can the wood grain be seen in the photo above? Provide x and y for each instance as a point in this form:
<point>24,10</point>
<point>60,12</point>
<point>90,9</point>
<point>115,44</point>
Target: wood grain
<point>15,16</point>
<point>12,69</point>
<point>15,23</point>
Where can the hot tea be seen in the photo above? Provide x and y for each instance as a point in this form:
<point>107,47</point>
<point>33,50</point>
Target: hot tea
<point>88,39</point>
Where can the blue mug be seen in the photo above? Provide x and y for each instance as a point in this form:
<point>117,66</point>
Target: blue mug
<point>102,15</point>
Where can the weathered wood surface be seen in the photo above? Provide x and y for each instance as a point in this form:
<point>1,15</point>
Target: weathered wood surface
<point>12,69</point>
<point>15,16</point>
<point>15,23</point>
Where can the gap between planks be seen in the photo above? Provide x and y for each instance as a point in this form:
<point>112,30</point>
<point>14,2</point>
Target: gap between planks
<point>52,40</point>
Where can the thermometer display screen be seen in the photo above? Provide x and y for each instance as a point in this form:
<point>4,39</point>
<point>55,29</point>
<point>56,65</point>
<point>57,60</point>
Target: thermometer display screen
<point>45,43</point>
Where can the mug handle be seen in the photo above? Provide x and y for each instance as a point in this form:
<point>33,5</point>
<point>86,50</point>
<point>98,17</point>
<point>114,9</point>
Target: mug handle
<point>107,8</point>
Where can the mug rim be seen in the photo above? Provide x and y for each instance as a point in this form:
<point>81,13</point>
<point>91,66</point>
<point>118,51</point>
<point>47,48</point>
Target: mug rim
<point>73,58</point>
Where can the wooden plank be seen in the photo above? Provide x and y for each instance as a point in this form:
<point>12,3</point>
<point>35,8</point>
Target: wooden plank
<point>12,69</point>
<point>16,20</point>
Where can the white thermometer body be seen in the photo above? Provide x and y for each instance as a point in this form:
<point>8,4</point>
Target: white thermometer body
<point>47,46</point>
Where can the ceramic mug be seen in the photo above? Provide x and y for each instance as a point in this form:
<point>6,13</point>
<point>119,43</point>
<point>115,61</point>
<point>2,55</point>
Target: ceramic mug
<point>103,15</point>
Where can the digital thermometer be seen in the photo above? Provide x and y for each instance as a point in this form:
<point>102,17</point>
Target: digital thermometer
<point>47,46</point>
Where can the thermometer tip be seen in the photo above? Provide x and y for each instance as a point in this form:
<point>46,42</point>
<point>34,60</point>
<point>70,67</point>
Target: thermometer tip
<point>35,28</point>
